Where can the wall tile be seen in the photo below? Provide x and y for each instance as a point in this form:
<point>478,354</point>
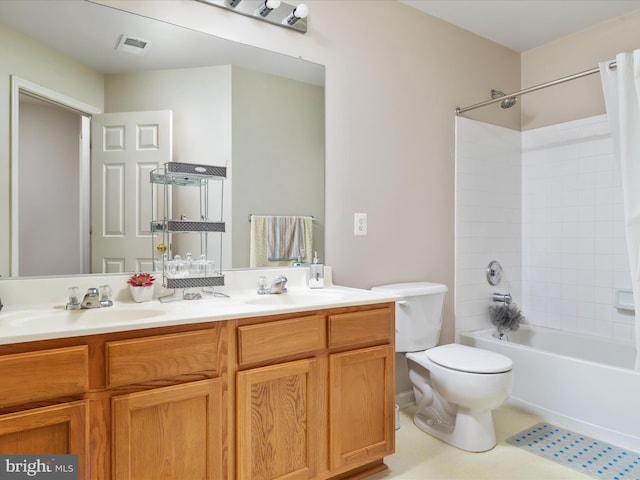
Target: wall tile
<point>561,193</point>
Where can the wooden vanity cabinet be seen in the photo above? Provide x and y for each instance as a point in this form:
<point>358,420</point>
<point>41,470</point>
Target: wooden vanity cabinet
<point>315,395</point>
<point>361,388</point>
<point>291,396</point>
<point>42,410</point>
<point>134,405</point>
<point>170,426</point>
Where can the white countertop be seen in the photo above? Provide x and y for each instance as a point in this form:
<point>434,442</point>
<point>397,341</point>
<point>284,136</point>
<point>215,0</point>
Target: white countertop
<point>30,321</point>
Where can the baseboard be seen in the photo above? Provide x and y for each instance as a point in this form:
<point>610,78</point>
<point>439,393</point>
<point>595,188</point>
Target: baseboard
<point>405,399</point>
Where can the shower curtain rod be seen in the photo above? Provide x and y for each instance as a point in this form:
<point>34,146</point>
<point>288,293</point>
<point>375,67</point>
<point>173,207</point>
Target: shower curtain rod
<point>460,111</point>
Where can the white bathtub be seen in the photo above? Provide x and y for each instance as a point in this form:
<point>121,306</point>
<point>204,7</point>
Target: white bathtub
<point>580,381</point>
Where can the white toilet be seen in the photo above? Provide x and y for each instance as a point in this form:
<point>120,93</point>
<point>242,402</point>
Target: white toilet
<point>456,387</point>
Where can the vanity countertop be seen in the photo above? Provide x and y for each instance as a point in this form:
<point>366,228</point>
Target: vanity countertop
<point>41,321</point>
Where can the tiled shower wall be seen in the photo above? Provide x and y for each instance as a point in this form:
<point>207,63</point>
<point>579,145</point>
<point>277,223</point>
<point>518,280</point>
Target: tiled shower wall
<point>488,218</point>
<point>574,246</point>
<point>547,204</point>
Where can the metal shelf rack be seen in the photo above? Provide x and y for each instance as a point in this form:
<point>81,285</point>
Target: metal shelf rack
<point>176,174</point>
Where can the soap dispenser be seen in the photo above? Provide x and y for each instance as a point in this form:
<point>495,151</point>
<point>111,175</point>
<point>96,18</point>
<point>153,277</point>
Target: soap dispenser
<point>316,273</point>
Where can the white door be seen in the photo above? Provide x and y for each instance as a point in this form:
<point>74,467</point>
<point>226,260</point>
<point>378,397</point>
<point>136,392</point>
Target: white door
<point>126,147</point>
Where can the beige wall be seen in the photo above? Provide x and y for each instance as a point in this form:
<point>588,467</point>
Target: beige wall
<point>283,161</point>
<point>200,135</point>
<point>572,54</point>
<point>29,60</point>
<point>49,190</point>
<point>281,170</point>
<point>393,79</point>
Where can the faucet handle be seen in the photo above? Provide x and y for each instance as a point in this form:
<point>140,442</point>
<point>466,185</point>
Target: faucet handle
<point>262,285</point>
<point>105,296</point>
<point>73,298</point>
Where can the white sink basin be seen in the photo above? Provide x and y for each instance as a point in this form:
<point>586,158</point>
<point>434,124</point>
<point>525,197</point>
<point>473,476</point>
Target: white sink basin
<point>45,318</point>
<point>296,298</point>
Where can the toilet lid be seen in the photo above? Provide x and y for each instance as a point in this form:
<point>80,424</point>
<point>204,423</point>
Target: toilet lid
<point>469,359</point>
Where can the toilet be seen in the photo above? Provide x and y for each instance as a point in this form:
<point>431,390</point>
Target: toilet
<point>456,387</point>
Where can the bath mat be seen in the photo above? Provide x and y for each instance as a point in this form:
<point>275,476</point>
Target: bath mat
<point>584,454</point>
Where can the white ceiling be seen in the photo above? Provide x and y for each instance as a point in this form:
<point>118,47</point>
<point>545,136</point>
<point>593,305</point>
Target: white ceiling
<point>524,24</point>
<point>89,33</point>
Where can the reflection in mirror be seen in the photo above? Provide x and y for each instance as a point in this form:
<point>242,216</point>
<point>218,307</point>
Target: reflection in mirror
<point>259,113</point>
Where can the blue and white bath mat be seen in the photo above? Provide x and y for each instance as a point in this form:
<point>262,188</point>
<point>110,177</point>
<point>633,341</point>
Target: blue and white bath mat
<point>584,454</point>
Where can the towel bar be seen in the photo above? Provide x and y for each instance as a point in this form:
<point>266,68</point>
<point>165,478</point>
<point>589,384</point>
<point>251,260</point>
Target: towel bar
<point>312,217</point>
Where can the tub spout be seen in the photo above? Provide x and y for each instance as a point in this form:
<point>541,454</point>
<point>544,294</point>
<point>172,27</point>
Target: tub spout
<point>502,297</point>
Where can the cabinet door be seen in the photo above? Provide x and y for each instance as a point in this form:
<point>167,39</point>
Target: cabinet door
<point>278,410</point>
<point>171,433</point>
<point>361,406</point>
<point>59,429</point>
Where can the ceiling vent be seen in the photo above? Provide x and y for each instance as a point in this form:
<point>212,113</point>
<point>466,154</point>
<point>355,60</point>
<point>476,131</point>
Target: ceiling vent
<point>137,46</point>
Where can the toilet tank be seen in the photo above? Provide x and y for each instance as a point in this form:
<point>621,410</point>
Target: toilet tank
<point>418,315</point>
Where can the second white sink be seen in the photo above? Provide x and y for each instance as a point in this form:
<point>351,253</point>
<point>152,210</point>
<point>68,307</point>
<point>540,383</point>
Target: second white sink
<point>311,297</point>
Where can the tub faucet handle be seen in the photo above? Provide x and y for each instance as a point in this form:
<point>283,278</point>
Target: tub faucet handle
<point>502,297</point>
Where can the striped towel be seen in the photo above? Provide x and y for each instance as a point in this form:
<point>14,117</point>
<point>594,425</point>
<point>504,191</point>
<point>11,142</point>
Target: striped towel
<point>287,238</point>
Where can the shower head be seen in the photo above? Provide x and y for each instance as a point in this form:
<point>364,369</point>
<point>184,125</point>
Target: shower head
<point>507,102</point>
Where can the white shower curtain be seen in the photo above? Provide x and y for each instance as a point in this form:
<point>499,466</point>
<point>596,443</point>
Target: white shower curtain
<point>622,98</point>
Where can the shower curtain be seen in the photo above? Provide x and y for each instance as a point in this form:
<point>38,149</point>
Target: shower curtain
<point>622,98</point>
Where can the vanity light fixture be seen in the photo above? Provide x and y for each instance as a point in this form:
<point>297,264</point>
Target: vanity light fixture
<point>271,11</point>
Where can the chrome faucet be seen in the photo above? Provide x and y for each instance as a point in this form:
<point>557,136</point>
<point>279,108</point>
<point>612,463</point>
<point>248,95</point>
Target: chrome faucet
<point>91,299</point>
<point>94,298</point>
<point>279,285</point>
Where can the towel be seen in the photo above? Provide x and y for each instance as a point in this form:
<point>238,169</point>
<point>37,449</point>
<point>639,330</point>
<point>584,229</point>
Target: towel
<point>279,240</point>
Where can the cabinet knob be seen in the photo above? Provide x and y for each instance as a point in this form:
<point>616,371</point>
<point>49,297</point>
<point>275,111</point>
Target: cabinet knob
<point>161,247</point>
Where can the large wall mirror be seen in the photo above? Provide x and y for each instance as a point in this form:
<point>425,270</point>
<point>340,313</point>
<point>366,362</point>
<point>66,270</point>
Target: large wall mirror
<point>259,113</point>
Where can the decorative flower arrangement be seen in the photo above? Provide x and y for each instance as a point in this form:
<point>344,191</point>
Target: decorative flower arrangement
<point>141,286</point>
<point>141,280</point>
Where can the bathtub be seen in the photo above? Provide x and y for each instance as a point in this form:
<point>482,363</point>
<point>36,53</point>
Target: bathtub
<point>582,382</point>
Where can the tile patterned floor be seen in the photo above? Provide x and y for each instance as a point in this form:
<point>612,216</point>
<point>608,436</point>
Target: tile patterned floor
<point>421,457</point>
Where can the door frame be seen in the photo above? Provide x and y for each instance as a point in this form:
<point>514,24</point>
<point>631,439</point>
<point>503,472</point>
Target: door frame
<point>19,85</point>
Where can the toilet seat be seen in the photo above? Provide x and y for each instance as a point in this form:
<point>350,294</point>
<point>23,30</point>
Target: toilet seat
<point>468,359</point>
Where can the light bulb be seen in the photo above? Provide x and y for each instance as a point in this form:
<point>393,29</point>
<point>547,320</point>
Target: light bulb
<point>301,11</point>
<point>266,8</point>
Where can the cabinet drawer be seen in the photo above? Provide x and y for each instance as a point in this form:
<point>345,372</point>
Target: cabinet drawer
<point>280,339</point>
<point>32,376</point>
<point>370,326</point>
<point>163,356</point>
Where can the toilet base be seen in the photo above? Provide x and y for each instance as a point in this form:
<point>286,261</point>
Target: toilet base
<point>473,431</point>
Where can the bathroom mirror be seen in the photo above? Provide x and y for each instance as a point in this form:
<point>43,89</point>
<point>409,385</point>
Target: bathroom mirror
<point>242,105</point>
